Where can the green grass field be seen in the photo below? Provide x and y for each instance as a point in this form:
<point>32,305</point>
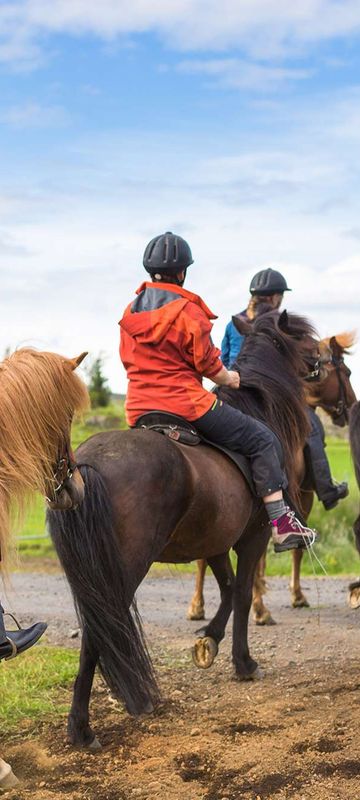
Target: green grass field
<point>335,549</point>
<point>36,686</point>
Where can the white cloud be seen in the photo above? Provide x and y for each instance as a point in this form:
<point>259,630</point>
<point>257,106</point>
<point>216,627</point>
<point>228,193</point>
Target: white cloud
<point>262,28</point>
<point>33,115</point>
<point>234,73</point>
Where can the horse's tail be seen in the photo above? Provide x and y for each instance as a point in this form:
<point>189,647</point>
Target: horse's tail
<point>88,548</point>
<point>354,428</point>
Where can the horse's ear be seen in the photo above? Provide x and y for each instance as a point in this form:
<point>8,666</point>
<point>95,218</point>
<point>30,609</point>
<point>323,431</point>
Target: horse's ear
<point>335,347</point>
<point>242,325</point>
<point>75,362</point>
<point>284,321</point>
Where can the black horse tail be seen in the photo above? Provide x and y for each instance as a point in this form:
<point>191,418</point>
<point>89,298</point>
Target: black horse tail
<point>354,428</point>
<point>88,548</point>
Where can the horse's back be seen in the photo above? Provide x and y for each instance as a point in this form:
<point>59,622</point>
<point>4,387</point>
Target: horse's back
<point>191,501</point>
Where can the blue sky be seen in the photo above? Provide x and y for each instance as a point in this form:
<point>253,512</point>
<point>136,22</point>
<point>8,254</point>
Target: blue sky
<point>237,125</point>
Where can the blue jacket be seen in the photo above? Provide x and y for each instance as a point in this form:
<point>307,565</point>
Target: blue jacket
<point>231,343</point>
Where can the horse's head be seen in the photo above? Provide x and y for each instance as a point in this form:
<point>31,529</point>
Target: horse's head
<point>65,490</point>
<point>335,393</point>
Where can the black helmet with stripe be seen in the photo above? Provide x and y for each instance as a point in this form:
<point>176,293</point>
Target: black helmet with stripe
<point>268,282</point>
<point>167,254</point>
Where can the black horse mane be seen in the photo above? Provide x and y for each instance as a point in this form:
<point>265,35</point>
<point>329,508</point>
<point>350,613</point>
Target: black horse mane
<point>271,362</point>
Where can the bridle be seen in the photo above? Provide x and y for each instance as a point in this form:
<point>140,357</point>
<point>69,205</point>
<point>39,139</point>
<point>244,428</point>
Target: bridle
<point>314,364</point>
<point>63,472</point>
<point>340,408</point>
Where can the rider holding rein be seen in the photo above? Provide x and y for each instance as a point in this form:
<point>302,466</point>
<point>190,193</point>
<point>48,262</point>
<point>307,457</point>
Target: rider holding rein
<point>166,349</point>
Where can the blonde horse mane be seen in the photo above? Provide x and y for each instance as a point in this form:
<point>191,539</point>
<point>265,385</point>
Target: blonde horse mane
<point>39,393</point>
<point>345,340</point>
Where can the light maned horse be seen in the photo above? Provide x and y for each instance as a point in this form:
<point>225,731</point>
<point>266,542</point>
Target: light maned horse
<point>39,393</point>
<point>151,499</point>
<point>354,588</point>
<point>335,395</point>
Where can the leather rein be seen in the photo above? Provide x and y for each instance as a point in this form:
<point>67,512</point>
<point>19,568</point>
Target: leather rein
<point>341,407</point>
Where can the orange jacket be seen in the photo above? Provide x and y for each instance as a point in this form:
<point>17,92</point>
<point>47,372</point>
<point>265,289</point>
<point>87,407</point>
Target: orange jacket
<point>166,348</point>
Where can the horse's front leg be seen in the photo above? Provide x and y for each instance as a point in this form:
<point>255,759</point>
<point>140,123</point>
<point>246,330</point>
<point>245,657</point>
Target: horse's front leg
<point>249,549</point>
<point>7,778</point>
<point>298,599</point>
<point>80,733</point>
<point>206,647</point>
<point>196,608</point>
<point>261,614</point>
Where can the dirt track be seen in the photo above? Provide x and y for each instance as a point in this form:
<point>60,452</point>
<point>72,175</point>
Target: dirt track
<point>293,735</point>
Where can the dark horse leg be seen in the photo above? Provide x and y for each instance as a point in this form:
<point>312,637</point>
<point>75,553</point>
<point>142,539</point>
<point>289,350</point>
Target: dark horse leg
<point>249,548</point>
<point>206,647</point>
<point>79,732</point>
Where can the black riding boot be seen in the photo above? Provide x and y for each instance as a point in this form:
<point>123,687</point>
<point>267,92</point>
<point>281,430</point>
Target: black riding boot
<point>327,490</point>
<point>12,643</point>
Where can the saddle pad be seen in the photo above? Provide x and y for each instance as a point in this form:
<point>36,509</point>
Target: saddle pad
<point>183,432</point>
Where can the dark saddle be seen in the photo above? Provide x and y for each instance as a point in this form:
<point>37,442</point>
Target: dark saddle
<point>180,430</point>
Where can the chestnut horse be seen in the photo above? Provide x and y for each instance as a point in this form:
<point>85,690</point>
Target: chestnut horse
<point>150,499</point>
<point>354,588</point>
<point>334,394</point>
<point>39,394</point>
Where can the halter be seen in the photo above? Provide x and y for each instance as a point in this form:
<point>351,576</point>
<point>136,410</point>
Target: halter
<point>64,470</point>
<point>341,407</point>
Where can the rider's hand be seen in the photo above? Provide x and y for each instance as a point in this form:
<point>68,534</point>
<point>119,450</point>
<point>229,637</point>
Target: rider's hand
<point>233,379</point>
<point>227,377</point>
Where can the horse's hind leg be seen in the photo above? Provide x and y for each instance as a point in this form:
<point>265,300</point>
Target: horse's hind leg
<point>261,614</point>
<point>206,647</point>
<point>298,599</point>
<point>196,608</point>
<point>79,732</point>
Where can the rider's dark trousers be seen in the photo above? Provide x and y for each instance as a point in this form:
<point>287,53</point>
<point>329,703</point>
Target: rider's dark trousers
<point>240,432</point>
<point>319,462</point>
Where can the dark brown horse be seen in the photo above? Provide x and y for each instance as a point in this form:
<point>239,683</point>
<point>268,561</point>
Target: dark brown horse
<point>335,395</point>
<point>354,588</point>
<point>145,498</point>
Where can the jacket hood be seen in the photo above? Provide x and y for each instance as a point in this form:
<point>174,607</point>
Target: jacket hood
<point>154,310</point>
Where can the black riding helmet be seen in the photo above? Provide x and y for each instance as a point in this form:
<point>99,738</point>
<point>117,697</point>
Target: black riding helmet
<point>267,282</point>
<point>167,254</point>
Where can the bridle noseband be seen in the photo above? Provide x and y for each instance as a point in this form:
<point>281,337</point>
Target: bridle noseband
<point>64,470</point>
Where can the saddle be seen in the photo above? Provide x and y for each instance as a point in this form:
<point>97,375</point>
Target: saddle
<point>183,432</point>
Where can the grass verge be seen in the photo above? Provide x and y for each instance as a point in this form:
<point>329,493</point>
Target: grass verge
<point>34,686</point>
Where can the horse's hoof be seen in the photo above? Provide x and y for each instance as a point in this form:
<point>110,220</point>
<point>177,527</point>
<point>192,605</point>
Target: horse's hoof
<point>204,652</point>
<point>354,598</point>
<point>196,613</point>
<point>9,781</point>
<point>94,746</point>
<point>148,708</point>
<point>257,675</point>
<point>300,602</point>
<point>265,619</point>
